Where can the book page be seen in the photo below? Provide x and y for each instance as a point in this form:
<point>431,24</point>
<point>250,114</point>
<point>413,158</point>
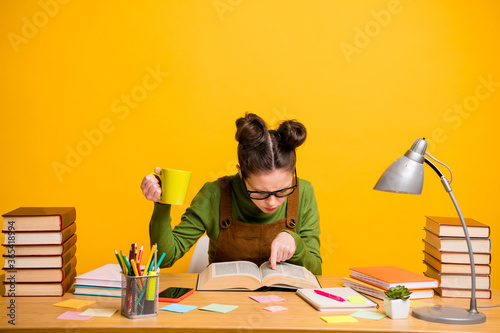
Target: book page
<point>283,268</point>
<point>288,275</point>
<point>235,268</point>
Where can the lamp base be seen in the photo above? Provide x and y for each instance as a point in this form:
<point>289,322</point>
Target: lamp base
<point>448,315</point>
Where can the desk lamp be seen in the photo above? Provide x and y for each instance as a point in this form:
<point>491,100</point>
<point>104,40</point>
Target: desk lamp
<point>406,175</point>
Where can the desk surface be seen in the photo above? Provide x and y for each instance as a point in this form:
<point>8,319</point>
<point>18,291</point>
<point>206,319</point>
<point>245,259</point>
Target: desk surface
<point>36,313</point>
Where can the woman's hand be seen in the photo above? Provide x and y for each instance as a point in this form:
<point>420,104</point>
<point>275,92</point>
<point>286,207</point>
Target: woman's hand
<point>151,188</point>
<point>282,248</point>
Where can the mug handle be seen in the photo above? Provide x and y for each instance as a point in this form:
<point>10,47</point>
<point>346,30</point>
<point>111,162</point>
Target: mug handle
<point>158,176</point>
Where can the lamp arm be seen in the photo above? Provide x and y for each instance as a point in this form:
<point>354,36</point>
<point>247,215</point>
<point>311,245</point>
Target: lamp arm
<point>446,184</point>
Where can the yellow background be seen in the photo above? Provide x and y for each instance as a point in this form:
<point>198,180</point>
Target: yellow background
<point>367,78</point>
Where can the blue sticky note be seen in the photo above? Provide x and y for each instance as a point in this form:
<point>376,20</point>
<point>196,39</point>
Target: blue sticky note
<point>179,308</point>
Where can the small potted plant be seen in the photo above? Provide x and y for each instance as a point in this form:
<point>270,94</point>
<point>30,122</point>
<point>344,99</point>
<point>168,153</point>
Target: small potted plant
<point>397,303</point>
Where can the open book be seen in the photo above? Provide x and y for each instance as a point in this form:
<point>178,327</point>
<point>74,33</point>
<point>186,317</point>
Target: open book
<point>245,275</point>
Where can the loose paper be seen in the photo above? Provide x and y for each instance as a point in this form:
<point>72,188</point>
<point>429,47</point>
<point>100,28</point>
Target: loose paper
<point>73,315</point>
<point>74,303</point>
<point>99,312</point>
<point>267,299</point>
<point>356,300</point>
<point>339,319</point>
<point>275,308</point>
<point>368,315</point>
<point>179,308</point>
<point>219,308</point>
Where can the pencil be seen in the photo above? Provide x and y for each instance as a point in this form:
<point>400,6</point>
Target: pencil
<point>119,261</point>
<point>130,272</point>
<point>149,260</point>
<point>159,262</point>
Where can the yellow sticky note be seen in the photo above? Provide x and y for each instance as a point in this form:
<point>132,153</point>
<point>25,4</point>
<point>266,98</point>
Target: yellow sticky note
<point>356,300</point>
<point>414,304</point>
<point>339,319</point>
<point>74,303</point>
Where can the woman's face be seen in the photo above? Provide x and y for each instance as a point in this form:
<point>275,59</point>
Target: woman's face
<point>270,182</point>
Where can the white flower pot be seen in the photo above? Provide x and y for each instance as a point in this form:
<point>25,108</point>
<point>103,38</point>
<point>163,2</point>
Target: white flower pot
<point>397,308</point>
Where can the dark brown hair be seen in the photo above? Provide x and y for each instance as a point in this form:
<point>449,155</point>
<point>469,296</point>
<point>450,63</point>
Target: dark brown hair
<point>262,150</point>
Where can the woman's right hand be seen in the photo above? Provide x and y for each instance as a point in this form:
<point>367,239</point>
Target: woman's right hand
<point>151,188</point>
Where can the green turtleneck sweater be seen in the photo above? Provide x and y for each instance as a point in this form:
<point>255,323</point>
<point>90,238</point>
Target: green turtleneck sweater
<point>203,215</point>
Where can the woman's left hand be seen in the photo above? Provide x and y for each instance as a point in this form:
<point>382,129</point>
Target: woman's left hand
<point>282,248</point>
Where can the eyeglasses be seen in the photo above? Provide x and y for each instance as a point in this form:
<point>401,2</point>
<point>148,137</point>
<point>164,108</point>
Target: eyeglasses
<point>262,195</point>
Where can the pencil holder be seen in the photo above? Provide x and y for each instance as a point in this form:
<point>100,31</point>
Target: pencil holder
<point>140,296</point>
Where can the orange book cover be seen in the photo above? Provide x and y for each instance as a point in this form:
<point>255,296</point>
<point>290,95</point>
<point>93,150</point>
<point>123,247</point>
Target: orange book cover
<point>391,276</point>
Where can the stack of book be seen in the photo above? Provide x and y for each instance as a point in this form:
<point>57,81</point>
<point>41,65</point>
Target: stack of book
<point>103,281</point>
<point>40,251</point>
<point>446,256</point>
<point>375,280</point>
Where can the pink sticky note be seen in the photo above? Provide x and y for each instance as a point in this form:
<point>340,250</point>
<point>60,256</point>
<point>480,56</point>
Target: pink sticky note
<point>267,299</point>
<point>275,308</point>
<point>73,315</point>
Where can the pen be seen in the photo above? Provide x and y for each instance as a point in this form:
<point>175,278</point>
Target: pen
<point>322,293</point>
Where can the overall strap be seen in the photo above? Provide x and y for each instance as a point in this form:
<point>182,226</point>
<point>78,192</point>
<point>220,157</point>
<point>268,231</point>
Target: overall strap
<point>292,209</point>
<point>225,214</point>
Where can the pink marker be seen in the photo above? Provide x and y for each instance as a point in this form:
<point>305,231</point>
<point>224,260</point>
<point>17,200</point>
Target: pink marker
<point>322,293</point>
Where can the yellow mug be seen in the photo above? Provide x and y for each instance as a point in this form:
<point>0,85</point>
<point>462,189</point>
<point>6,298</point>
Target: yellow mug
<point>174,185</point>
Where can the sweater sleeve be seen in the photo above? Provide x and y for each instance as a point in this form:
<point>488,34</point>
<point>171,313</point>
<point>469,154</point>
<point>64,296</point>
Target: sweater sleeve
<point>307,252</point>
<point>177,241</point>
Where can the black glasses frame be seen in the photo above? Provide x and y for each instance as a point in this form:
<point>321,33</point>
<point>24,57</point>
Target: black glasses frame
<point>275,193</point>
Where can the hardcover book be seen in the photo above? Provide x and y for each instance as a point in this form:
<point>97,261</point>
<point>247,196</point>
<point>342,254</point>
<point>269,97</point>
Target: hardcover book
<point>39,289</point>
<point>40,274</point>
<point>458,281</point>
<point>455,268</point>
<point>455,244</point>
<point>245,275</point>
<point>463,293</point>
<point>39,237</point>
<point>378,292</point>
<point>39,218</point>
<point>41,250</point>
<point>12,262</point>
<point>457,257</point>
<point>452,227</point>
<point>392,276</point>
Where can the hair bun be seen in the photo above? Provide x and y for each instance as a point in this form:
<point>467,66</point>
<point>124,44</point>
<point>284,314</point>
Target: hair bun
<point>291,134</point>
<point>251,131</point>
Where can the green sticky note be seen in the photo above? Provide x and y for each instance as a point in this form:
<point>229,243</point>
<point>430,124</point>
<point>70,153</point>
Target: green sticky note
<point>219,308</point>
<point>339,319</point>
<point>356,300</point>
<point>99,312</point>
<point>368,315</point>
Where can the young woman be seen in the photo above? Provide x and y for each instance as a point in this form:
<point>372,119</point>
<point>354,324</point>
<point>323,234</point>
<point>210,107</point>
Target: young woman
<point>264,212</point>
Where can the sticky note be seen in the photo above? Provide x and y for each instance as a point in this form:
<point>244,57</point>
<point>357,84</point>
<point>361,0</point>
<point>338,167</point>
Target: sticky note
<point>414,304</point>
<point>74,303</point>
<point>368,315</point>
<point>356,299</point>
<point>267,299</point>
<point>179,308</point>
<point>275,308</point>
<point>99,312</point>
<point>339,319</point>
<point>219,308</point>
<point>73,315</point>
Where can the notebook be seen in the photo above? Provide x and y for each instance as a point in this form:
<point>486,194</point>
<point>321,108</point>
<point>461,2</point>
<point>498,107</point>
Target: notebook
<point>322,303</point>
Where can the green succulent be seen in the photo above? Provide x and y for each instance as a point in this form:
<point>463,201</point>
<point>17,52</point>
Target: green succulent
<point>398,292</point>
